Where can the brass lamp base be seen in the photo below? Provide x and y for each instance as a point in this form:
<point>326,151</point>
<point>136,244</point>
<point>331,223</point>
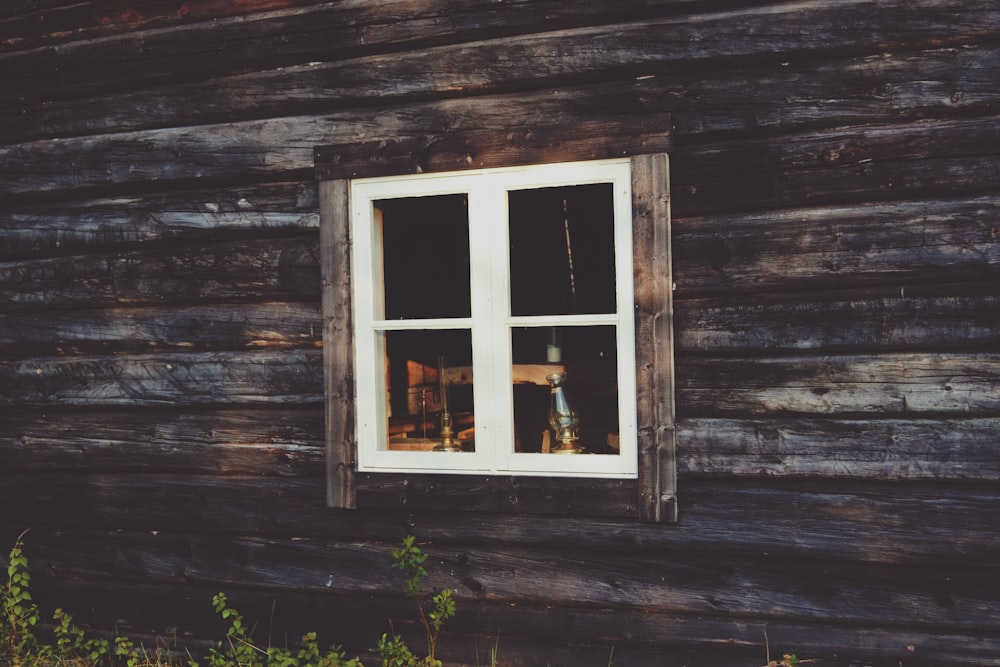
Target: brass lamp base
<point>568,447</point>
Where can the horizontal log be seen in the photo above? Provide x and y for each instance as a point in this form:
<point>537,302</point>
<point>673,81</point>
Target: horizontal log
<point>829,165</point>
<point>837,91</point>
<point>839,165</point>
<point>157,40</point>
<point>456,150</point>
<point>275,269</point>
<point>528,635</point>
<point>892,449</point>
<point>192,328</point>
<point>283,148</point>
<point>273,441</point>
<point>27,25</point>
<point>565,496</point>
<point>913,524</point>
<point>206,378</point>
<point>333,30</point>
<point>89,225</point>
<point>290,442</point>
<point>893,384</point>
<point>950,598</point>
<point>959,316</point>
<point>835,246</point>
<point>779,250</point>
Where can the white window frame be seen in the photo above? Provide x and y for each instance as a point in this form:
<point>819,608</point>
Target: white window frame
<point>490,321</point>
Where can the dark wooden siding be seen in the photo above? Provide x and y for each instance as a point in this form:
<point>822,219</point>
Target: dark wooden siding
<point>835,182</point>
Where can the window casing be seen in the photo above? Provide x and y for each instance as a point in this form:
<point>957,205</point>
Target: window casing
<point>646,492</point>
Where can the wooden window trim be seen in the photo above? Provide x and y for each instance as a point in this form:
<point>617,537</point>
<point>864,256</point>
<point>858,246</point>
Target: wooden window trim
<point>650,498</point>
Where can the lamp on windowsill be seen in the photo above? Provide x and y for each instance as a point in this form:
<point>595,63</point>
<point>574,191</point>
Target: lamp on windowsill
<point>448,443</point>
<point>562,418</point>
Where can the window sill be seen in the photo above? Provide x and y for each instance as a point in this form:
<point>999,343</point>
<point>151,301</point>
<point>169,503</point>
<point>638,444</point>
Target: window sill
<point>578,496</point>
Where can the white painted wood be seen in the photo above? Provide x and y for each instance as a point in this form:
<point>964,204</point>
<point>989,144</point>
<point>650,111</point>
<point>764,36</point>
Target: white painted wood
<point>490,322</point>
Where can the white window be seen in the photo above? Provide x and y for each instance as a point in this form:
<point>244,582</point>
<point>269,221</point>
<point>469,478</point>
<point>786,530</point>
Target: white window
<point>475,293</point>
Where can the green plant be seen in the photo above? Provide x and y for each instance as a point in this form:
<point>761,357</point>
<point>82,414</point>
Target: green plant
<point>73,644</point>
<point>239,650</point>
<point>434,610</point>
<point>20,614</point>
<point>20,647</point>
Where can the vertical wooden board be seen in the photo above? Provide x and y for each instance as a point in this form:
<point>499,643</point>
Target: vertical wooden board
<point>338,344</point>
<point>654,338</point>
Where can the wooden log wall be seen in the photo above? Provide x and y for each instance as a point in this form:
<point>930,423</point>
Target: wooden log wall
<point>835,191</point>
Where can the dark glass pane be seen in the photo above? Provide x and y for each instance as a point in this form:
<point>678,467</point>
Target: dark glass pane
<point>425,256</point>
<point>587,357</point>
<point>429,380</point>
<point>562,257</point>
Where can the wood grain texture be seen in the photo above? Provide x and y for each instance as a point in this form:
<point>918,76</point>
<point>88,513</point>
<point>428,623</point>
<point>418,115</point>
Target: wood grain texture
<point>190,328</point>
<point>331,31</point>
<point>947,316</point>
<point>653,285</point>
<point>819,248</point>
<point>765,588</point>
<point>230,441</point>
<point>87,226</point>
<point>256,269</point>
<point>833,227</point>
<point>282,440</point>
<point>588,639</point>
<point>812,521</point>
<point>338,346</point>
<point>150,380</point>
<point>910,383</point>
<point>885,449</point>
<point>871,86</point>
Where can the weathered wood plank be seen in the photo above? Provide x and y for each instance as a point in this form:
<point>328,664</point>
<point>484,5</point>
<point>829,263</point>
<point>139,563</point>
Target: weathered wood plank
<point>654,334</point>
<point>960,316</point>
<point>839,165</point>
<point>280,441</point>
<point>477,149</point>
<point>892,384</point>
<point>265,269</point>
<point>291,38</point>
<point>280,38</point>
<point>561,496</point>
<point>192,328</point>
<point>916,524</point>
<point>30,24</point>
<point>350,27</point>
<point>893,449</point>
<point>953,597</point>
<point>63,227</point>
<point>579,636</point>
<point>836,246</point>
<point>869,88</point>
<point>206,378</point>
<point>274,441</point>
<point>864,90</point>
<point>341,447</point>
<point>290,442</point>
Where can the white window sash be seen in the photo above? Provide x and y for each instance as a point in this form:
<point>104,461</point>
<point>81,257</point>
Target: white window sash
<point>490,322</point>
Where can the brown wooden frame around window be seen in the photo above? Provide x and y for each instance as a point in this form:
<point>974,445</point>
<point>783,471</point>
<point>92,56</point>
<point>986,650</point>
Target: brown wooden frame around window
<point>650,498</point>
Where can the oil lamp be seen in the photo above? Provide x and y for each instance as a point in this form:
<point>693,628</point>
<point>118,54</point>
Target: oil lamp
<point>562,418</point>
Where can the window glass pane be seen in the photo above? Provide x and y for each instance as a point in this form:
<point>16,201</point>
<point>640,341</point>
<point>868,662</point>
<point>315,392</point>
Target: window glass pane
<point>582,360</point>
<point>562,250</point>
<point>429,397</point>
<point>425,257</point>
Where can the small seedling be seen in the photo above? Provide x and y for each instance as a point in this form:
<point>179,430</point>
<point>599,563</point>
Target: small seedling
<point>433,611</point>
